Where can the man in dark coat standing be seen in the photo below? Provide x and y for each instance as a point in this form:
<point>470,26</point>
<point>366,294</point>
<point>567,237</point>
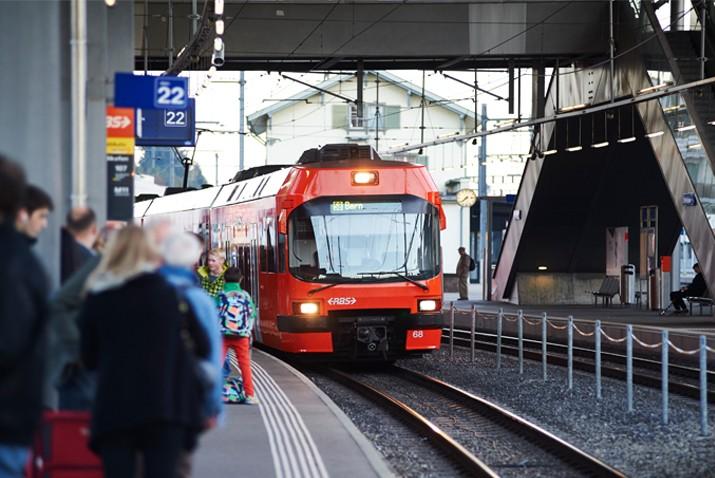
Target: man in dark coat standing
<point>23,314</point>
<point>77,239</point>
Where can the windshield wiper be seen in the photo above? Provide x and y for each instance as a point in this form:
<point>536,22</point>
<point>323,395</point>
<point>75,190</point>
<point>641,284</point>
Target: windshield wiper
<point>398,274</point>
<point>318,289</point>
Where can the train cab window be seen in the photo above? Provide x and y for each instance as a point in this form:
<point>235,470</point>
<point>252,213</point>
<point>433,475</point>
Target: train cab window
<point>281,252</point>
<point>377,239</point>
<point>270,252</point>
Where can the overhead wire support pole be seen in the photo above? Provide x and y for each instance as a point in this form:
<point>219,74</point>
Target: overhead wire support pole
<point>703,23</point>
<point>79,102</point>
<point>612,46</point>
<point>145,37</point>
<point>377,112</point>
<point>422,108</point>
<point>170,34</point>
<point>327,92</point>
<point>242,121</point>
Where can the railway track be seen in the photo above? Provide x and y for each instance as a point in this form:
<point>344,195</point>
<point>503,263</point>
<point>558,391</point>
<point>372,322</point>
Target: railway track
<point>481,438</point>
<point>646,371</point>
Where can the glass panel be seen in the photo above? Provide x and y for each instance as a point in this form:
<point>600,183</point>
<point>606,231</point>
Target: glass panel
<point>364,239</point>
<point>691,148</point>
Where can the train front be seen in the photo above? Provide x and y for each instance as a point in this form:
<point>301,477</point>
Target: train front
<point>364,260</point>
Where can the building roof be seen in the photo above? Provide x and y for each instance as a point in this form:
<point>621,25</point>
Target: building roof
<point>258,121</point>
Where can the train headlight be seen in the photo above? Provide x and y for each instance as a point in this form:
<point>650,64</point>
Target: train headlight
<point>308,308</point>
<point>428,305</point>
<point>364,178</point>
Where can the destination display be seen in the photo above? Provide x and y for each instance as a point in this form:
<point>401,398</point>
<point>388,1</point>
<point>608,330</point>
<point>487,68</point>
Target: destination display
<point>359,207</point>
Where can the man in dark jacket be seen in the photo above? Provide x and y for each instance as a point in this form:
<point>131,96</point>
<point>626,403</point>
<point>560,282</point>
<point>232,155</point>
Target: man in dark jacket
<point>77,239</point>
<point>697,288</point>
<point>23,313</point>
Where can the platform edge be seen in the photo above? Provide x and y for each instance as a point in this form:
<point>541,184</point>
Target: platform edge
<point>376,460</point>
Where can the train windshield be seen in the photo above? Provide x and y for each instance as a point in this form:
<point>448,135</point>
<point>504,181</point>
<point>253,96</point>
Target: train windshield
<point>364,239</point>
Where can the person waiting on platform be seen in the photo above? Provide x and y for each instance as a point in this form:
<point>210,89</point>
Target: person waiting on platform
<point>211,275</point>
<point>33,215</point>
<point>237,315</point>
<point>463,268</point>
<point>76,240</point>
<point>145,349</point>
<point>696,288</point>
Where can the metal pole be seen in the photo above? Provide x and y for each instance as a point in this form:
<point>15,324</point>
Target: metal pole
<point>544,326</point>
<point>78,43</point>
<point>704,429</point>
<point>612,45</point>
<point>520,329</point>
<point>499,325</point>
<point>570,352</point>
<point>597,335</point>
<point>242,121</point>
<point>194,18</point>
<point>451,332</point>
<point>377,112</point>
<point>629,366</point>
<point>170,33</point>
<point>483,206</point>
<point>145,37</point>
<point>703,22</point>
<point>664,375</point>
<point>474,329</point>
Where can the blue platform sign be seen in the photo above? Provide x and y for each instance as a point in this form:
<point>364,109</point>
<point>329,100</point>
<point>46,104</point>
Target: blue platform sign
<point>166,127</point>
<point>157,92</point>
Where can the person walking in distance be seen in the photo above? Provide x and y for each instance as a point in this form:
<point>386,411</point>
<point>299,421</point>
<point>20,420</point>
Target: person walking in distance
<point>238,314</point>
<point>211,275</point>
<point>463,267</point>
<point>148,406</point>
<point>23,318</point>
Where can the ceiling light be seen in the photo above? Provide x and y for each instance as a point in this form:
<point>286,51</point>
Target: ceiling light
<point>542,268</point>
<point>219,27</point>
<point>218,7</point>
<point>654,134</point>
<point>574,148</point>
<point>695,146</point>
<point>602,144</point>
<point>653,88</point>
<point>218,44</point>
<point>549,152</point>
<point>685,128</point>
<point>573,107</point>
<point>627,140</point>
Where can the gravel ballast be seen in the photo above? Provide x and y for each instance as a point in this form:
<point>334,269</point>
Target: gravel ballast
<point>407,454</point>
<point>636,443</point>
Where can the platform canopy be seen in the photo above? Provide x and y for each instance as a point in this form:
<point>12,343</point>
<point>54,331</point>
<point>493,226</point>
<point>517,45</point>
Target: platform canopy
<point>415,34</point>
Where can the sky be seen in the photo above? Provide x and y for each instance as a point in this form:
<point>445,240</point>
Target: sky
<point>217,104</point>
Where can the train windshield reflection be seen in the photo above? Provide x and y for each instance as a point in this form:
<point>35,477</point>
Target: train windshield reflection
<point>359,239</point>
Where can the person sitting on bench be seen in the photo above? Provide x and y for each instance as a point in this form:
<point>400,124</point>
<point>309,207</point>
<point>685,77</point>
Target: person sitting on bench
<point>697,288</point>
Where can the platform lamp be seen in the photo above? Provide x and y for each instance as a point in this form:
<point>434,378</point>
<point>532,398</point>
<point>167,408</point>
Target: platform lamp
<point>632,137</point>
<point>578,147</point>
<point>552,150</point>
<point>603,143</point>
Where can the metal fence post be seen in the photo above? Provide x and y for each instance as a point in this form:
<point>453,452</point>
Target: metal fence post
<point>570,351</point>
<point>704,429</point>
<point>520,330</point>
<point>543,345</point>
<point>474,330</point>
<point>451,332</point>
<point>597,337</point>
<point>664,375</point>
<point>629,367</point>
<point>499,326</point>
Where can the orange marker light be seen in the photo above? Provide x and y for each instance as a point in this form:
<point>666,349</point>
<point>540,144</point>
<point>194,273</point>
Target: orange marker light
<point>364,178</point>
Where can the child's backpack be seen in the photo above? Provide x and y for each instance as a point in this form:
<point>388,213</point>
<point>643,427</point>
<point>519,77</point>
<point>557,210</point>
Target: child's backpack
<point>233,390</point>
<point>236,313</point>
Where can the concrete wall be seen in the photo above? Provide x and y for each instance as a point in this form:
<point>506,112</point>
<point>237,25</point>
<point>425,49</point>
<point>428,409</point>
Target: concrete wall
<point>556,288</point>
<point>35,88</point>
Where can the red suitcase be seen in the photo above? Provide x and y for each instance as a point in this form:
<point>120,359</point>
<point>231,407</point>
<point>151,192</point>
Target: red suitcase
<point>61,447</point>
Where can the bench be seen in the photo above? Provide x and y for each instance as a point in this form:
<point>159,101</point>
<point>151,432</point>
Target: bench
<point>610,287</point>
<point>700,301</point>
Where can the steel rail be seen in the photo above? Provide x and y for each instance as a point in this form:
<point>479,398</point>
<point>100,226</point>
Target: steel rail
<point>545,440</point>
<point>459,455</point>
<point>651,381</point>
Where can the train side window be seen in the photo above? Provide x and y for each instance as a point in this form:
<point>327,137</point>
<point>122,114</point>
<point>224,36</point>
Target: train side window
<point>270,252</point>
<point>281,252</point>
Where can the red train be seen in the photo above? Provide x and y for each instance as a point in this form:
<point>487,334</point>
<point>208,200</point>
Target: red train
<point>341,250</point>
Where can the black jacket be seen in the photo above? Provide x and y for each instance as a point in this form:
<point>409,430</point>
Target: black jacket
<point>72,255</point>
<point>131,334</point>
<point>697,288</point>
<point>23,317</point>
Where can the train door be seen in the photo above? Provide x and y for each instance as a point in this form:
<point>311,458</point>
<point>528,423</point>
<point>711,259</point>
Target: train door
<point>253,275</point>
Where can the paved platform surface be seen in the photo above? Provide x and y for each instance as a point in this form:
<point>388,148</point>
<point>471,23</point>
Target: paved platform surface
<point>295,431</point>
<point>615,313</point>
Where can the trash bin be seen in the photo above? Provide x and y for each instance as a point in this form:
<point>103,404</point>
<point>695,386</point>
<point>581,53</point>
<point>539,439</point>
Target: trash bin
<point>628,284</point>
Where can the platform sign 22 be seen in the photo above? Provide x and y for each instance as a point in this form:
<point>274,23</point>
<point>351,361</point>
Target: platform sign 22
<point>171,92</point>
